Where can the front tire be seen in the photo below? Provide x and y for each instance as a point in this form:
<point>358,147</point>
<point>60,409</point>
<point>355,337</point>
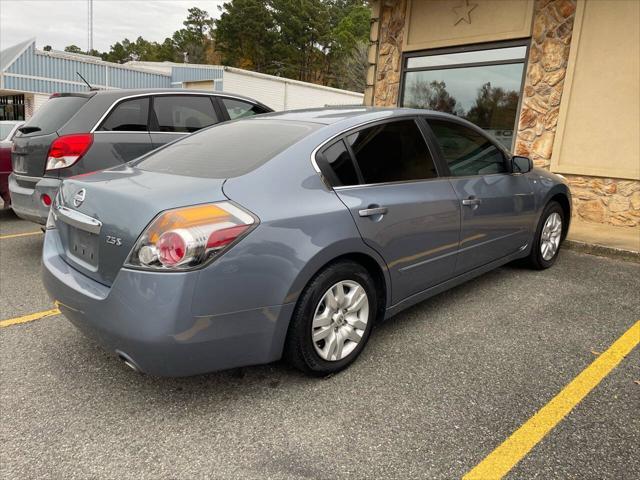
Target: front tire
<point>332,320</point>
<point>548,237</point>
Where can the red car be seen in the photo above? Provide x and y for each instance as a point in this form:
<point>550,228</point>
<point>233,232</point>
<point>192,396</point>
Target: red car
<point>8,129</point>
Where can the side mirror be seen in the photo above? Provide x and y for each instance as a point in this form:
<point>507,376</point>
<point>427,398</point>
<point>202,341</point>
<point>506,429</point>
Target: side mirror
<point>521,164</point>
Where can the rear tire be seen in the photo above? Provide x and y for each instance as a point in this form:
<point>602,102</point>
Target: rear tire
<point>548,237</point>
<point>328,330</point>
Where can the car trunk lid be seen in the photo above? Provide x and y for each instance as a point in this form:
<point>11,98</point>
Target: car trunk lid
<point>100,216</point>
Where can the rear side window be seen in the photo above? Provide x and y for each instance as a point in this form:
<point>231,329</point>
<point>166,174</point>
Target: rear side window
<point>240,109</point>
<point>227,150</point>
<point>183,113</point>
<point>392,152</point>
<point>128,116</point>
<point>338,160</point>
<point>55,113</point>
<point>466,151</point>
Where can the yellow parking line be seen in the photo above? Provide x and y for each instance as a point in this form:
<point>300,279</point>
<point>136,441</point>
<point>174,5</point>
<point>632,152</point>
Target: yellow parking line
<point>513,449</point>
<point>15,235</point>
<point>29,318</point>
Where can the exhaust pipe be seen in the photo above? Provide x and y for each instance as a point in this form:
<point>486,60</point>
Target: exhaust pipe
<point>128,362</point>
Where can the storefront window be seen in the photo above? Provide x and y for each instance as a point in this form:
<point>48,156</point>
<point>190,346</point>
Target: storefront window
<point>482,86</point>
<point>12,107</point>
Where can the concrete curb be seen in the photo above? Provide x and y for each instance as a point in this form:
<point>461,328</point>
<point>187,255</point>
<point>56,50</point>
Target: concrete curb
<point>603,251</point>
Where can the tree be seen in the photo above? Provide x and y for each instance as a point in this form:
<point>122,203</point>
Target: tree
<point>494,108</point>
<point>347,49</point>
<point>195,38</point>
<point>312,40</point>
<point>245,35</point>
<point>47,48</point>
<point>73,49</point>
<point>431,95</point>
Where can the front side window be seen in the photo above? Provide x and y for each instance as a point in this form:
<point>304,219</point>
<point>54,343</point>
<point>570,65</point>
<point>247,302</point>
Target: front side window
<point>128,116</point>
<point>392,152</point>
<point>240,109</point>
<point>466,151</point>
<point>183,113</point>
<point>480,85</point>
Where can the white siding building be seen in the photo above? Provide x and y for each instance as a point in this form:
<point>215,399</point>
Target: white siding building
<point>276,92</point>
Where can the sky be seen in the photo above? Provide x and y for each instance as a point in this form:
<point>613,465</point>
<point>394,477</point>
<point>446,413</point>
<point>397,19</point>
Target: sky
<point>64,22</point>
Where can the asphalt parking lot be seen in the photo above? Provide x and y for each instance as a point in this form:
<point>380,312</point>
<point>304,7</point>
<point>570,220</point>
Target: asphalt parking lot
<point>438,388</point>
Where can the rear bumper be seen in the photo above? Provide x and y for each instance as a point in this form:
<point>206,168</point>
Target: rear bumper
<point>148,317</point>
<point>26,193</point>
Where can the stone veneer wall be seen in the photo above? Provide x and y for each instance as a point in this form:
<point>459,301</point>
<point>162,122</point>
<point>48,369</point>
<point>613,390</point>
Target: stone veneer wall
<point>387,84</point>
<point>600,200</point>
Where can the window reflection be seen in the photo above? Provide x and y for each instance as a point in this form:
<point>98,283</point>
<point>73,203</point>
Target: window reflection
<point>476,56</point>
<point>486,95</point>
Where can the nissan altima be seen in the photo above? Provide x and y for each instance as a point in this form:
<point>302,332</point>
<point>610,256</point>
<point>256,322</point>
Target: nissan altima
<point>290,234</point>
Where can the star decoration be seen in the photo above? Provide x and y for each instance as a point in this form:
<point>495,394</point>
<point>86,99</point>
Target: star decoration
<point>463,12</point>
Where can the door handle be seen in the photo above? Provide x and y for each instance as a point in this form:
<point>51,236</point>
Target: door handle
<point>370,212</point>
<point>471,202</point>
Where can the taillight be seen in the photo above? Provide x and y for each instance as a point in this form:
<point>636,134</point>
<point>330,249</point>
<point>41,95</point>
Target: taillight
<point>68,149</point>
<point>188,237</point>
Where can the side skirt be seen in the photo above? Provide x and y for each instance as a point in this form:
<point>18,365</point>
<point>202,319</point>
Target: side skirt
<point>453,282</point>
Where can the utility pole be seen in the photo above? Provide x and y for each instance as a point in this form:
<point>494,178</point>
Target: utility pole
<point>90,26</point>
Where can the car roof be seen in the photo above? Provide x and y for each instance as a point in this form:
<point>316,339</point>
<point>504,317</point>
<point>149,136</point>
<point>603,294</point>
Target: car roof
<point>117,94</point>
<point>350,114</point>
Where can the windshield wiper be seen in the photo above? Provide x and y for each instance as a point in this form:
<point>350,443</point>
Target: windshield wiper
<point>29,129</point>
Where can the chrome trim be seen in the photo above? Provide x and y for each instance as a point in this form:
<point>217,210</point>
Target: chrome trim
<point>385,184</point>
<point>155,94</point>
<point>79,220</point>
<point>103,132</point>
<point>369,212</point>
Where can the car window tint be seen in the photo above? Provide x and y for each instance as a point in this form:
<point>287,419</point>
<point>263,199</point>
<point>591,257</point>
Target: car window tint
<point>338,159</point>
<point>228,149</point>
<point>240,109</point>
<point>55,113</point>
<point>183,113</point>
<point>392,152</point>
<point>128,116</point>
<point>466,151</point>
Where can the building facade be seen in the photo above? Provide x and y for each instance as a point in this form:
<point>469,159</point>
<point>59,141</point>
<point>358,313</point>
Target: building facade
<point>28,77</point>
<point>556,80</point>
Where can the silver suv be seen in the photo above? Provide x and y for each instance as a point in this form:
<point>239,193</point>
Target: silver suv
<point>77,133</point>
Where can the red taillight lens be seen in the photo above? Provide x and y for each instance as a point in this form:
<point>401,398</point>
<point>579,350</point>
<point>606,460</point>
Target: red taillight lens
<point>46,200</point>
<point>68,149</point>
<point>171,248</point>
<point>186,238</point>
<point>225,236</point>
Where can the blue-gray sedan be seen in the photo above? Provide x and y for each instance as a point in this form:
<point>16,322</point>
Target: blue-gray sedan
<point>290,235</point>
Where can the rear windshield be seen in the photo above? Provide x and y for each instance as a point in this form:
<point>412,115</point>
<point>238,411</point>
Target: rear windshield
<point>227,150</point>
<point>55,113</point>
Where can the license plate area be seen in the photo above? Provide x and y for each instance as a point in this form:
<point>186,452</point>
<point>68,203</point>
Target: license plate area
<point>83,248</point>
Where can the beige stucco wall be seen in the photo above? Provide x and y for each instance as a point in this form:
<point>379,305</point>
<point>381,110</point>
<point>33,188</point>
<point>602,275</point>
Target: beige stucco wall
<point>599,125</point>
<point>200,85</point>
<point>443,23</point>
